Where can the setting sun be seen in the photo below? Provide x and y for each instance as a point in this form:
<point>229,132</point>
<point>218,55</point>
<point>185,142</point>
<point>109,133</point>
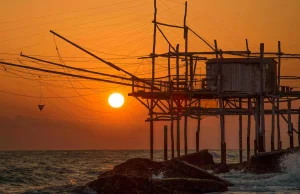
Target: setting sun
<point>116,100</point>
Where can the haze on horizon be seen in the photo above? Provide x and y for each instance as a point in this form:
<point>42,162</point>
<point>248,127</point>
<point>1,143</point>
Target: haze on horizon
<point>77,115</point>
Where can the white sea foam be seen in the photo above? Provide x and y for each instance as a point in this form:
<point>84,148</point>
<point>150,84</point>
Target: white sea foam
<point>159,176</point>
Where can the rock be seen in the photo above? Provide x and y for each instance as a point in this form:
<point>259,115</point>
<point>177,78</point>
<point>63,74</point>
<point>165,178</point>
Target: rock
<point>178,176</point>
<point>117,184</point>
<point>188,185</point>
<point>139,167</point>
<point>222,168</point>
<point>120,184</point>
<point>180,169</point>
<point>268,162</point>
<point>200,158</point>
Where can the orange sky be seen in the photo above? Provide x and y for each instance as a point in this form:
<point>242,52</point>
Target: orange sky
<point>118,31</point>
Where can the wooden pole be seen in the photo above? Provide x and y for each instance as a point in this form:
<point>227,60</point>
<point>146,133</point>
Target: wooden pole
<point>169,65</point>
<point>165,142</point>
<point>273,126</point>
<point>241,132</point>
<point>249,128</point>
<point>186,79</point>
<point>198,128</point>
<point>290,127</point>
<point>171,102</point>
<point>257,124</point>
<point>222,124</point>
<point>278,100</point>
<point>178,103</point>
<point>247,47</point>
<point>172,131</point>
<point>262,105</point>
<point>299,128</point>
<point>153,78</point>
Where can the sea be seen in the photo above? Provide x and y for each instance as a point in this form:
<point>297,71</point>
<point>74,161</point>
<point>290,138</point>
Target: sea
<point>67,171</point>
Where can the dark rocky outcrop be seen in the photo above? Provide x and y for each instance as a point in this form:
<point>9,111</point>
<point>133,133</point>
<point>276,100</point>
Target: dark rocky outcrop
<point>200,158</point>
<point>178,168</point>
<point>268,162</point>
<point>139,167</point>
<point>222,168</point>
<point>179,176</point>
<point>121,184</point>
<point>188,185</point>
<point>117,184</point>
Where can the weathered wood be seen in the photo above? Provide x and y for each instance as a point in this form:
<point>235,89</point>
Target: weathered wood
<point>279,143</point>
<point>153,78</point>
<point>168,25</point>
<point>172,134</point>
<point>241,132</point>
<point>186,78</point>
<point>222,124</point>
<point>273,126</point>
<point>165,142</point>
<point>178,134</point>
<point>262,104</point>
<point>257,124</point>
<point>278,66</point>
<point>177,102</point>
<point>247,47</point>
<point>299,128</point>
<point>198,128</point>
<point>249,128</point>
<point>290,127</point>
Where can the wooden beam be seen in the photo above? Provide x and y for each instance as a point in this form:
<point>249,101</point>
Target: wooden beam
<point>198,128</point>
<point>186,79</point>
<point>69,74</point>
<point>299,128</point>
<point>249,128</point>
<point>168,25</point>
<point>290,127</point>
<point>165,142</point>
<point>152,88</point>
<point>222,124</point>
<point>273,126</point>
<point>241,132</point>
<point>262,136</point>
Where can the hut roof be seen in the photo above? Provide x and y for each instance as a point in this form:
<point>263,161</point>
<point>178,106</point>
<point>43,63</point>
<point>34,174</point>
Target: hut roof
<point>241,60</point>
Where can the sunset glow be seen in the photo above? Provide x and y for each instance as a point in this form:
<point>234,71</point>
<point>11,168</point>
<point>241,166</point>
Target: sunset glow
<point>116,100</point>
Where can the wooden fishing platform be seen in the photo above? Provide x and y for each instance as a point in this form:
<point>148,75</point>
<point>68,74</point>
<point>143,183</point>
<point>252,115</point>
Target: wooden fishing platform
<point>238,83</point>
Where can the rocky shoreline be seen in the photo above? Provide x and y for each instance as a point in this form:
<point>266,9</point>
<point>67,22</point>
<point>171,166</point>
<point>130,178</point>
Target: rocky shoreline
<point>183,175</point>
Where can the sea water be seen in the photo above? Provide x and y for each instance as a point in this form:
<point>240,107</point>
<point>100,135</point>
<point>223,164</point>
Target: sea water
<point>67,171</point>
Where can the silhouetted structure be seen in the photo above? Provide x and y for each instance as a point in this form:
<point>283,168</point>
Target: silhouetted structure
<point>242,82</point>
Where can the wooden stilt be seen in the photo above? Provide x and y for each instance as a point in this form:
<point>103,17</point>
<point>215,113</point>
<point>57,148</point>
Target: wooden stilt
<point>240,132</point>
<point>165,142</point>
<point>222,124</point>
<point>299,128</point>
<point>185,133</point>
<point>198,128</point>
<point>278,102</point>
<point>178,103</point>
<point>249,128</point>
<point>262,105</point>
<point>273,126</point>
<point>186,79</point>
<point>178,132</point>
<point>152,87</point>
<point>171,102</point>
<point>172,136</point>
<point>290,127</point>
<point>151,137</point>
<point>257,124</point>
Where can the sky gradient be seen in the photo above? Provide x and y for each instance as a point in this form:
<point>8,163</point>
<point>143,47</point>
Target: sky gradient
<point>77,115</point>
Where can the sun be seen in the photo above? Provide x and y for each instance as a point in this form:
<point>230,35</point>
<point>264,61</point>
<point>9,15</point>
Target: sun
<point>116,100</point>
